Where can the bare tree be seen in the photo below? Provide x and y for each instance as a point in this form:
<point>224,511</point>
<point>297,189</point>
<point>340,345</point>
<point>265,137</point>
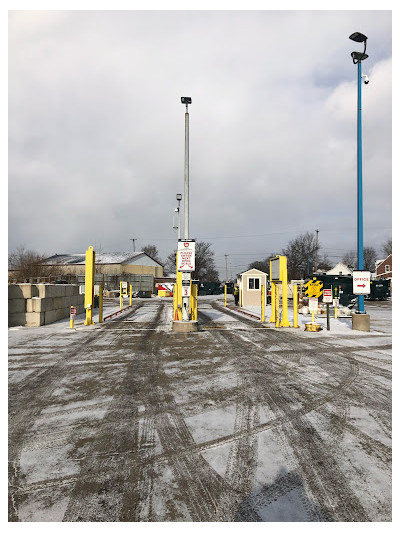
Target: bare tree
<point>370,256</point>
<point>387,247</point>
<point>300,253</point>
<point>152,251</point>
<point>262,265</point>
<point>350,260</point>
<point>27,264</point>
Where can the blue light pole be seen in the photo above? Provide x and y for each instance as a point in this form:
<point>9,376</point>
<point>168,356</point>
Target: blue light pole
<point>357,58</point>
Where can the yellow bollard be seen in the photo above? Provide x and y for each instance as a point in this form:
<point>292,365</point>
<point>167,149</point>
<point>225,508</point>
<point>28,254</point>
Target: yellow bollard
<point>312,317</point>
<point>276,305</point>
<point>225,291</point>
<point>100,304</point>
<point>193,301</point>
<point>272,319</point>
<point>295,306</point>
<point>335,312</point>
<point>130,295</point>
<point>283,276</point>
<point>89,285</point>
<point>262,303</point>
<point>120,295</point>
<point>240,297</point>
<point>72,314</point>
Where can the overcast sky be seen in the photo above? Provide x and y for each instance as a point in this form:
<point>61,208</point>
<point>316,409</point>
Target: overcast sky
<point>96,129</point>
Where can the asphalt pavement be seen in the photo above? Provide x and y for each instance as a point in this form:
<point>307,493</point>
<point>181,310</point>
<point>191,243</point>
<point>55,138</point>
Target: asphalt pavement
<point>128,421</point>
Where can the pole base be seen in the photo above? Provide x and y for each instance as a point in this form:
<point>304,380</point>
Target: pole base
<point>360,322</point>
<point>181,326</point>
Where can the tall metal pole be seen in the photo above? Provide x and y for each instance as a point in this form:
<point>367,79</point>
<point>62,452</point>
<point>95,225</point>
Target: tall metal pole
<point>360,244</point>
<point>316,251</point>
<point>226,267</point>
<point>186,178</point>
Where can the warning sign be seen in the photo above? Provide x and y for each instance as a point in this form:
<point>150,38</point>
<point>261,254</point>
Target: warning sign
<point>313,288</point>
<point>186,256</point>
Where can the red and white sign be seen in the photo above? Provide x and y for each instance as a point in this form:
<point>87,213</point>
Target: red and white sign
<point>313,304</point>
<point>361,282</point>
<point>186,253</point>
<point>72,310</point>
<point>186,291</point>
<point>327,296</point>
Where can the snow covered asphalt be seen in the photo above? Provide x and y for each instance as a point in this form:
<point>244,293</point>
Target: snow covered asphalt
<point>128,421</point>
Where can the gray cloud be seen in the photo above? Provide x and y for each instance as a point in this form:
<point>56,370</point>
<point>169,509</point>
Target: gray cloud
<point>96,128</point>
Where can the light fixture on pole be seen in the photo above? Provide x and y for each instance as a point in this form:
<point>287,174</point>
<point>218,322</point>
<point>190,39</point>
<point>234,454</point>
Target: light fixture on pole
<point>177,210</point>
<point>358,57</point>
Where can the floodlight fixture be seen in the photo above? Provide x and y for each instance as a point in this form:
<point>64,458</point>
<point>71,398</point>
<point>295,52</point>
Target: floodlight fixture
<point>359,37</point>
<point>186,100</point>
<point>358,56</point>
<point>179,197</point>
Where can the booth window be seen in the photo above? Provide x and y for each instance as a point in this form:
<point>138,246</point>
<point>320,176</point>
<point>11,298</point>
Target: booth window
<point>254,284</point>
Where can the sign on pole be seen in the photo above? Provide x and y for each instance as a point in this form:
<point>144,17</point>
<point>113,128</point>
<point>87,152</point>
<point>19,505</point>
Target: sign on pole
<point>313,304</point>
<point>313,288</point>
<point>335,302</point>
<point>327,296</point>
<point>361,282</point>
<point>186,255</point>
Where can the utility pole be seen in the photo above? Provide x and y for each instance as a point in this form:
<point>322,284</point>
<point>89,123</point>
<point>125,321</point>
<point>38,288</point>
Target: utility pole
<point>186,276</point>
<point>316,251</point>
<point>226,268</point>
<point>133,242</point>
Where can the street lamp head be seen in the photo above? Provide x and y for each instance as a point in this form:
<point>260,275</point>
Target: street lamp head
<point>358,57</point>
<point>186,100</point>
<point>179,197</point>
<point>358,37</point>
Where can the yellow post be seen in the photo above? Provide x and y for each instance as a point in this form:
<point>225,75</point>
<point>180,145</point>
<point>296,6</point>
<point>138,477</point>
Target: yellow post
<point>312,317</point>
<point>179,290</point>
<point>100,304</point>
<point>89,285</point>
<point>130,295</point>
<point>120,295</point>
<point>335,312</point>
<point>262,303</point>
<point>277,305</point>
<point>295,305</point>
<point>72,316</point>
<point>225,291</point>
<point>240,297</point>
<point>272,319</point>
<point>283,276</point>
<point>193,301</point>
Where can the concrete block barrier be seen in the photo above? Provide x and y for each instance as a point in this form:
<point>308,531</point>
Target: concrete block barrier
<point>17,306</point>
<point>16,319</point>
<point>41,304</point>
<point>22,290</point>
<point>34,319</point>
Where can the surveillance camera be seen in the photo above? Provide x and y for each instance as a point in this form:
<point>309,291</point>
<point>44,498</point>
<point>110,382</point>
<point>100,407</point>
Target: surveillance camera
<point>366,79</point>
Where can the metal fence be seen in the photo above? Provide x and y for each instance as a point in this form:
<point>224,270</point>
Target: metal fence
<point>139,282</point>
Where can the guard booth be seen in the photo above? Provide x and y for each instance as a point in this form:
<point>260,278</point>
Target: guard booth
<point>250,283</point>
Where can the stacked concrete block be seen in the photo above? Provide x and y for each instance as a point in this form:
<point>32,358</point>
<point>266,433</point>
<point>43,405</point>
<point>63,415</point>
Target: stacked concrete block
<point>41,304</point>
